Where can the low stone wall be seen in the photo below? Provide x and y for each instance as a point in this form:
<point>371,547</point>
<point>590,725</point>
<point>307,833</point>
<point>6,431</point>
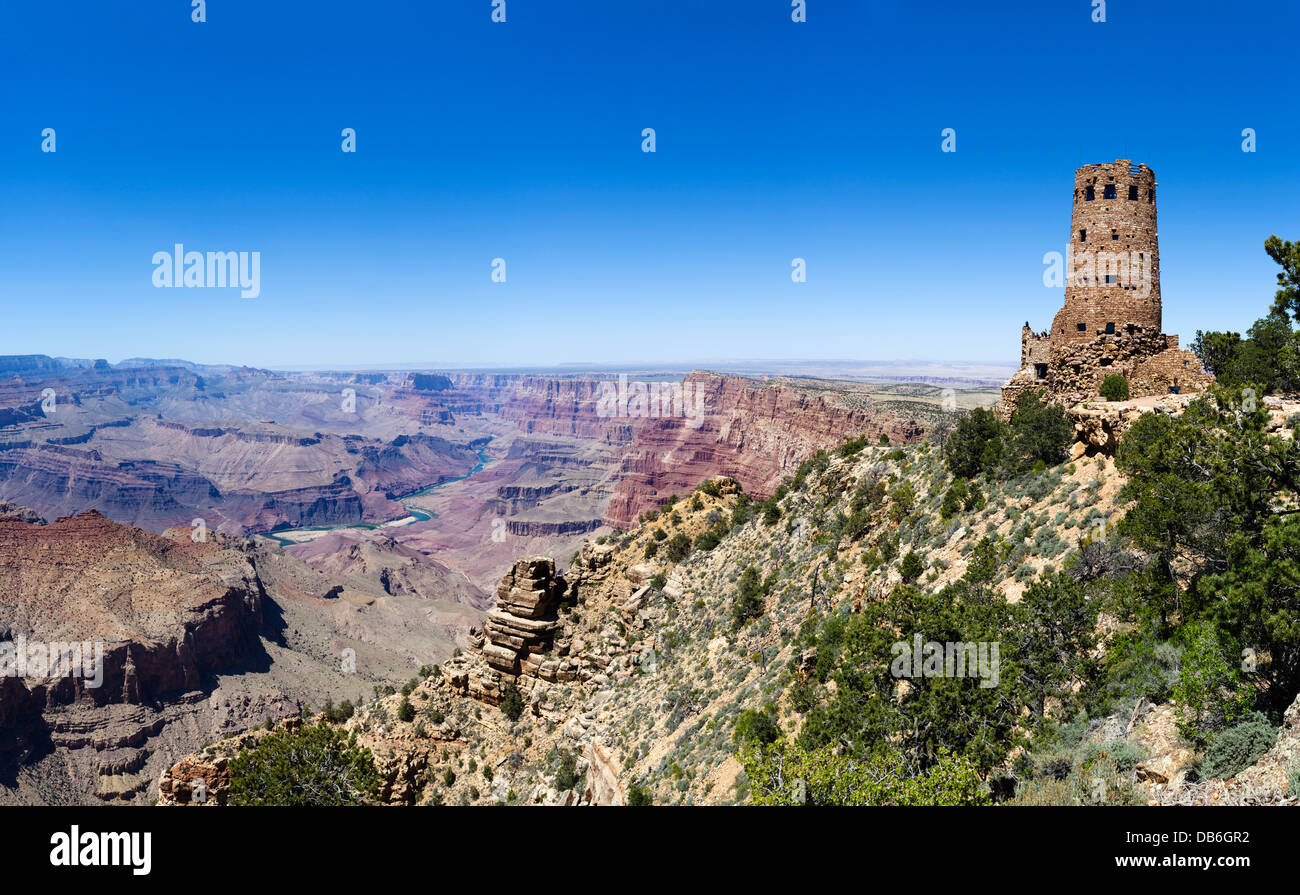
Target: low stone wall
<point>1152,363</point>
<point>1171,367</point>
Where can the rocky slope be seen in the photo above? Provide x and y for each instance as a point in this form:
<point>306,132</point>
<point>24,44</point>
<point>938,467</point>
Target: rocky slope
<point>632,676</point>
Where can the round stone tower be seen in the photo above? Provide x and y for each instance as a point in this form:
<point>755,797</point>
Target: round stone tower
<point>1112,281</point>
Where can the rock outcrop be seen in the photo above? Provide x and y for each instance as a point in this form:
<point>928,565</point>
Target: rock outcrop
<point>1266,782</point>
<point>522,625</point>
<point>145,619</point>
<point>22,514</point>
<point>516,646</point>
<point>1099,424</point>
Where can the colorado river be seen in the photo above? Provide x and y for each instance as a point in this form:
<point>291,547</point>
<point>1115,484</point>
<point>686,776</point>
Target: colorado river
<point>286,536</point>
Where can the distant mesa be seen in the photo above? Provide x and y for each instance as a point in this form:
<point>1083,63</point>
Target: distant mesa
<point>430,382</point>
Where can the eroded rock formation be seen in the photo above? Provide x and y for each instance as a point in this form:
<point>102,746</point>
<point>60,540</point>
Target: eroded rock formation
<point>153,617</point>
<point>754,432</point>
<point>516,645</point>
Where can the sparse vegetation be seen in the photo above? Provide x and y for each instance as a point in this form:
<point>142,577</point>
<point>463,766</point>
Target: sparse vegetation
<point>315,764</point>
<point>512,702</point>
<point>1114,388</point>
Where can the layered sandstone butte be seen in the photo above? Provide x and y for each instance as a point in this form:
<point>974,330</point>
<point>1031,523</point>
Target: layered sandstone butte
<point>753,432</point>
<point>522,625</point>
<point>521,642</point>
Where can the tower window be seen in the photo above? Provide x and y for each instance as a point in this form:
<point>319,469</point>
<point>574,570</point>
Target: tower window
<point>1110,329</point>
<point>1040,371</point>
<point>1083,236</point>
<point>1151,195</point>
<point>1111,279</point>
<point>1089,194</point>
<point>1083,327</point>
<point>1110,191</point>
<point>1114,236</point>
<point>1132,193</point>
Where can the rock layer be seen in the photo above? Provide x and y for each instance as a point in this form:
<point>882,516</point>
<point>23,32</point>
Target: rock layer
<point>754,432</point>
<point>155,618</point>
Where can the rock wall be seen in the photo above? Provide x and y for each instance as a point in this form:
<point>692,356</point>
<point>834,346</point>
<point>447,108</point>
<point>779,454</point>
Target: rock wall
<point>1152,363</point>
<point>536,528</point>
<point>165,615</point>
<point>751,431</point>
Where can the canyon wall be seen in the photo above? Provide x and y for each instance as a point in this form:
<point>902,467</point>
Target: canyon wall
<point>564,406</point>
<point>154,618</point>
<point>752,432</point>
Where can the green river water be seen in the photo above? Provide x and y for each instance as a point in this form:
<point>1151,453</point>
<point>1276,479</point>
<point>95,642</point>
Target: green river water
<point>419,514</point>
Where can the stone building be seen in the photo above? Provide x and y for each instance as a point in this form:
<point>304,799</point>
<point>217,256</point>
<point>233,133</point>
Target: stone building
<point>1111,319</point>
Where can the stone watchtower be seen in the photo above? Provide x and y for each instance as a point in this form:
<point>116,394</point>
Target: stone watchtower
<point>1111,319</point>
<point>1113,272</point>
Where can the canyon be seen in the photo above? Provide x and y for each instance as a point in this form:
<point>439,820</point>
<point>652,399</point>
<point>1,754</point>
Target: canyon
<point>197,639</point>
<point>754,432</point>
<point>245,543</point>
<point>158,444</point>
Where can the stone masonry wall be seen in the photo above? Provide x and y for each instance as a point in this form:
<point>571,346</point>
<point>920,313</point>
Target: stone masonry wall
<point>1115,239</point>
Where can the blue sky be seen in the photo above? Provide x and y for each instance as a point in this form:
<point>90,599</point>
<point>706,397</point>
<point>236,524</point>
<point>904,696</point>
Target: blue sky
<point>522,141</point>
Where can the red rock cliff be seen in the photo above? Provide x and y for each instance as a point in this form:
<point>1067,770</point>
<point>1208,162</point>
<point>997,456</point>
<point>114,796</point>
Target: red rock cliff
<point>754,432</point>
